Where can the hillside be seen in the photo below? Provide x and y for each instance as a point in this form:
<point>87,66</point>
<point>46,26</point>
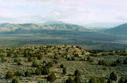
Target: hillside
<point>59,63</point>
<point>14,28</point>
<point>118,30</point>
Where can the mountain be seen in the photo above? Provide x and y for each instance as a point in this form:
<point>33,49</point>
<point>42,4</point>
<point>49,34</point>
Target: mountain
<point>6,27</point>
<point>118,30</point>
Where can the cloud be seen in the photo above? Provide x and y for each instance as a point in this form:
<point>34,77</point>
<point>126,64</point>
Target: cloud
<point>72,11</point>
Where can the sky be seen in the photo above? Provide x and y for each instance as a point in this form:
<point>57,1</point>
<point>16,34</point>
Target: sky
<point>69,11</point>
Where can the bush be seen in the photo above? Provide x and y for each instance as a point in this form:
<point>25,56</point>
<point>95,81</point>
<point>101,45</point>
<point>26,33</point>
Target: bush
<point>121,80</point>
<point>45,71</point>
<point>51,77</point>
<point>109,81</point>
<point>30,59</point>
<point>77,79</point>
<point>102,80</point>
<point>18,73</point>
<point>89,59</point>
<point>9,75</point>
<point>9,54</point>
<point>38,71</point>
<point>61,66</point>
<point>15,80</point>
<point>49,64</point>
<point>114,64</point>
<point>3,59</point>
<point>125,61</point>
<point>64,70</point>
<point>39,57</point>
<point>18,61</point>
<point>102,62</point>
<point>35,64</point>
<point>70,80</point>
<point>77,73</point>
<point>125,81</point>
<point>93,80</point>
<point>113,76</point>
<point>27,74</point>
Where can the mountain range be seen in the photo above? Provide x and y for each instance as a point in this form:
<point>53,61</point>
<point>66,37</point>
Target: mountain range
<point>63,33</point>
<point>6,27</point>
<point>118,30</point>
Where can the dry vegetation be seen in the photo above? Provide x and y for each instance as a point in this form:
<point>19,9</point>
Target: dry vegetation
<point>62,64</point>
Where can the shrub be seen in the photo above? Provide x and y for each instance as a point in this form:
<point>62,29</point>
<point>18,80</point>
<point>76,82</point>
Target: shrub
<point>113,76</point>
<point>102,80</point>
<point>3,59</point>
<point>77,79</point>
<point>109,81</point>
<point>18,73</point>
<point>51,77</point>
<point>93,80</point>
<point>125,81</point>
<point>35,64</point>
<point>70,80</point>
<point>102,62</point>
<point>18,61</point>
<point>121,80</point>
<point>125,61</point>
<point>27,74</point>
<point>9,75</point>
<point>61,66</point>
<point>15,80</point>
<point>38,71</point>
<point>55,61</point>
<point>30,59</point>
<point>49,64</point>
<point>64,70</point>
<point>39,57</point>
<point>77,73</point>
<point>45,71</point>
<point>89,59</point>
<point>9,54</point>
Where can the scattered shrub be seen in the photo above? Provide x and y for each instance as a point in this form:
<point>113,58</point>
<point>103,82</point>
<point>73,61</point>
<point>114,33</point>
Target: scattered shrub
<point>109,81</point>
<point>93,80</point>
<point>45,71</point>
<point>102,80</point>
<point>77,79</point>
<point>77,73</point>
<point>18,73</point>
<point>121,80</point>
<point>9,75</point>
<point>61,66</point>
<point>3,59</point>
<point>102,62</point>
<point>15,80</point>
<point>64,70</point>
<point>35,64</point>
<point>51,77</point>
<point>113,76</point>
<point>38,71</point>
<point>27,74</point>
<point>70,80</point>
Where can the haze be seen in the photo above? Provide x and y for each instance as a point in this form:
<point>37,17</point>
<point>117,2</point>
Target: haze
<point>69,11</point>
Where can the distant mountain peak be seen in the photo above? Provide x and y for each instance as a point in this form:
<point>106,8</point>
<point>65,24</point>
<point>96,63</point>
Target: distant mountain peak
<point>118,30</point>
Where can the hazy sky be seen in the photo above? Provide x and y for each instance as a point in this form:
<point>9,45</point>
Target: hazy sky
<point>70,11</point>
